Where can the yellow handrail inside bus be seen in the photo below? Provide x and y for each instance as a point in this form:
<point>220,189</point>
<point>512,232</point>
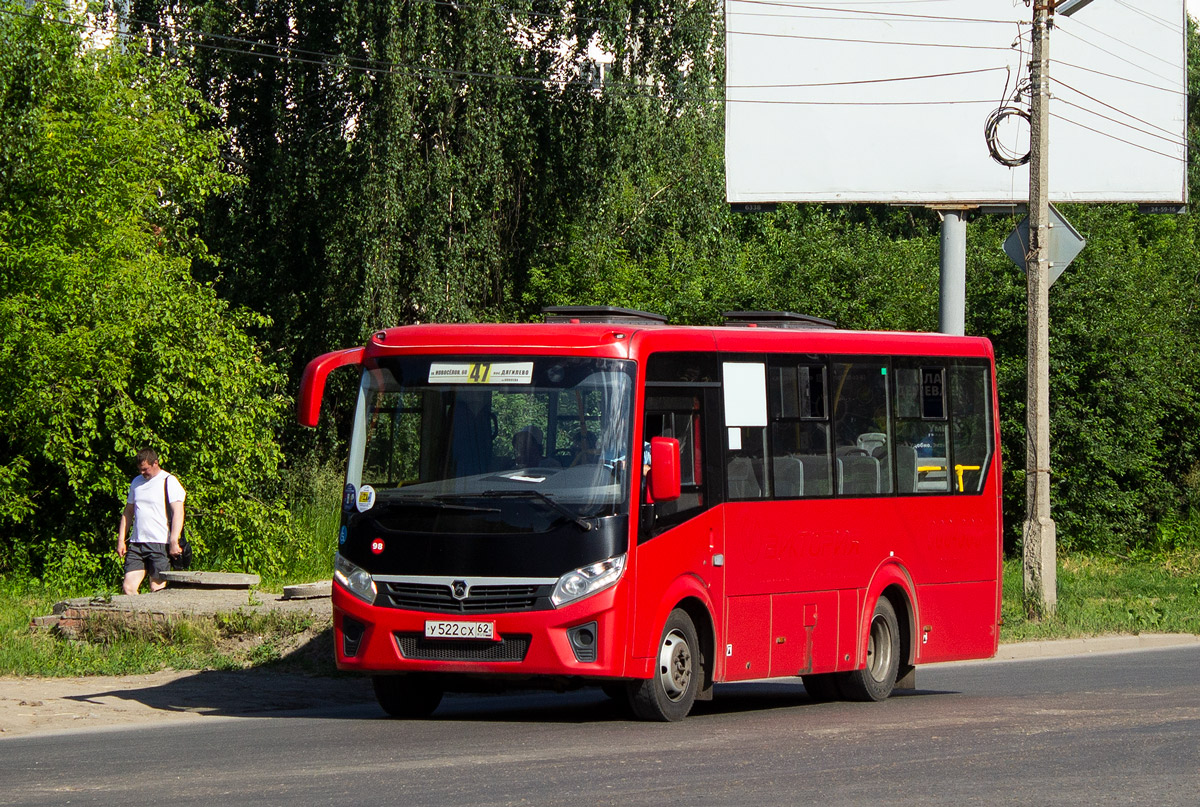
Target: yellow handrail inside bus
<point>958,469</point>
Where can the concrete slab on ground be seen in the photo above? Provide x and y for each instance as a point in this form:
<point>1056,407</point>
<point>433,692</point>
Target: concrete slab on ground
<point>307,591</point>
<point>212,579</point>
<point>178,600</point>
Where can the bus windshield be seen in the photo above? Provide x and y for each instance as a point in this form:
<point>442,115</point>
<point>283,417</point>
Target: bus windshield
<point>506,436</point>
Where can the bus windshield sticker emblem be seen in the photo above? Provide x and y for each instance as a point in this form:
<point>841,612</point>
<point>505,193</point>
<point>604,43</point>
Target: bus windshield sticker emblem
<point>366,498</point>
<point>459,589</point>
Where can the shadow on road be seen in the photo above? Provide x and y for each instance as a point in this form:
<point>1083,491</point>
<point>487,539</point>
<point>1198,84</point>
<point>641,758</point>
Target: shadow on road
<point>255,692</point>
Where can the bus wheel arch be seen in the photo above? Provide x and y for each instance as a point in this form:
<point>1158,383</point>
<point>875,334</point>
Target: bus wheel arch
<point>706,634</point>
<point>892,581</point>
<point>907,623</point>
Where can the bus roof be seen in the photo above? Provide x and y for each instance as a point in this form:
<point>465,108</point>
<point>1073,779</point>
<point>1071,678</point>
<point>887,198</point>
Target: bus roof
<point>627,340</point>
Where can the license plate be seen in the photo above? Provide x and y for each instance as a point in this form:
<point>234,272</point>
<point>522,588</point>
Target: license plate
<point>443,629</point>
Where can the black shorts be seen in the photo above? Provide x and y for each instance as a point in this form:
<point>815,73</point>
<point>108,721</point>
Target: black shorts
<point>151,558</point>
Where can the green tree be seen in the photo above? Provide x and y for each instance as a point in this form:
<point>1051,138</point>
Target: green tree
<point>107,344</point>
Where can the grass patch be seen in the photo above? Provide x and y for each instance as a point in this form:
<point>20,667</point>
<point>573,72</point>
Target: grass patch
<point>1100,595</point>
<point>1096,596</point>
<point>110,645</point>
<point>316,520</point>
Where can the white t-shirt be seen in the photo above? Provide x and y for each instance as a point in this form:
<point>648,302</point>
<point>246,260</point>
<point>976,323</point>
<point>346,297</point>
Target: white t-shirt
<point>150,510</point>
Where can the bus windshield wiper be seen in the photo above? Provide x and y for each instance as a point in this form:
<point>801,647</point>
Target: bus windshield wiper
<point>441,503</point>
<point>562,509</point>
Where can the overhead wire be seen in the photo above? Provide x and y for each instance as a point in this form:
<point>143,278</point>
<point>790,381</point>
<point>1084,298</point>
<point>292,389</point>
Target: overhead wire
<point>790,102</point>
<point>376,66</point>
<point>330,60</point>
<point>1112,136</point>
<point>1174,141</point>
<point>855,41</point>
<point>645,23</point>
<point>866,81</point>
<point>1105,50</point>
<point>1060,62</point>
<point>1168,24</point>
<point>1010,106</point>
<point>890,15</point>
<point>1106,105</point>
<point>338,61</point>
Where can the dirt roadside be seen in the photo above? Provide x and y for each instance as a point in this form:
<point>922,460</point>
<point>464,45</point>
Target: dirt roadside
<point>34,706</point>
<point>38,706</point>
<point>30,706</point>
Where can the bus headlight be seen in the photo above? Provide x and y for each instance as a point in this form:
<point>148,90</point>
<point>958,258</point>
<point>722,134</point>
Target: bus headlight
<point>587,580</point>
<point>354,579</point>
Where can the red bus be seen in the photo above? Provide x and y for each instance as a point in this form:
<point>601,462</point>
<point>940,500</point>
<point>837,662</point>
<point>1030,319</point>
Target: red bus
<point>606,499</point>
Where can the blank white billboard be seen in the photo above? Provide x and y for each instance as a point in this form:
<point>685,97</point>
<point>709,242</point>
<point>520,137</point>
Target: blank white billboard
<point>887,100</point>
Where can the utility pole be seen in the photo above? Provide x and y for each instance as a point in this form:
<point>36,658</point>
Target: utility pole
<point>1040,561</point>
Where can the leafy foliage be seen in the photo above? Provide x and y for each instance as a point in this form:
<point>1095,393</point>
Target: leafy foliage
<point>368,163</point>
<point>107,344</point>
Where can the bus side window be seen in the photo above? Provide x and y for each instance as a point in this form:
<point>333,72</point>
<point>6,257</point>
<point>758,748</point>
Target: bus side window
<point>922,430</point>
<point>678,414</point>
<point>801,462</point>
<point>970,407</point>
<point>744,394</point>
<point>861,426</point>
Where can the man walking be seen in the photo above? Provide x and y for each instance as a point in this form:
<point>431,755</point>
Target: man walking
<point>152,495</point>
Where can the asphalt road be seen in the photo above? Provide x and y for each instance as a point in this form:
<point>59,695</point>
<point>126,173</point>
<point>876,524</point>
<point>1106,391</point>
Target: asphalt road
<point>1100,729</point>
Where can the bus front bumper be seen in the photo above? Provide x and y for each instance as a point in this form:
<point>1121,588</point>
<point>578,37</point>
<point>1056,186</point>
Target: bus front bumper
<point>581,639</point>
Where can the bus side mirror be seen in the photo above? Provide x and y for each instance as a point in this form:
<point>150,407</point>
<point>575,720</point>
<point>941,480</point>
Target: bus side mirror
<point>312,385</point>
<point>664,469</point>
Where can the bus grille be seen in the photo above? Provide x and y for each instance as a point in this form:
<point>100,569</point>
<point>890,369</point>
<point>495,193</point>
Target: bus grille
<point>416,646</point>
<point>483,599</point>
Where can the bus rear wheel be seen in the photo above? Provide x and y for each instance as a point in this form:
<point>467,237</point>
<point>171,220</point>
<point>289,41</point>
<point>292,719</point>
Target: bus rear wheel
<point>876,680</point>
<point>669,693</point>
<point>407,696</point>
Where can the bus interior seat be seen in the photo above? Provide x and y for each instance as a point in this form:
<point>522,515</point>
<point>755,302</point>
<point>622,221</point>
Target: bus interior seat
<point>880,453</point>
<point>743,484</point>
<point>816,474</point>
<point>858,474</point>
<point>871,441</point>
<point>789,477</point>
<point>906,469</point>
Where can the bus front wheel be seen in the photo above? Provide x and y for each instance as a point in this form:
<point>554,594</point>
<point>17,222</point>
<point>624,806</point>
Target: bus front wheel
<point>407,696</point>
<point>876,680</point>
<point>669,693</point>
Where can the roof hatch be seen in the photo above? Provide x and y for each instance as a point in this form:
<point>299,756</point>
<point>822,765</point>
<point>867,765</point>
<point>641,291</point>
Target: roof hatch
<point>601,313</point>
<point>775,319</point>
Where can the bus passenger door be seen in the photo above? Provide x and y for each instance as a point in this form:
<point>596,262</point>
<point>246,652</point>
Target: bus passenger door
<point>748,576</point>
<point>681,540</point>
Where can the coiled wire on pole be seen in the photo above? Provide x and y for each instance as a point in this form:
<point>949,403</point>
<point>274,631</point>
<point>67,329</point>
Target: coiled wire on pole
<point>999,152</point>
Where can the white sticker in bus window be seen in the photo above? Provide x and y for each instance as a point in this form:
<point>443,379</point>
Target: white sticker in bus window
<point>745,388</point>
<point>481,372</point>
<point>366,498</point>
<point>735,438</point>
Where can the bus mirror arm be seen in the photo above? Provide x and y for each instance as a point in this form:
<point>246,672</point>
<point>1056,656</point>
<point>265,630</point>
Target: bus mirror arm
<point>645,520</point>
<point>312,385</point>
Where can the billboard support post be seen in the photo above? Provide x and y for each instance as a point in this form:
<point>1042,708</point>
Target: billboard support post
<point>1040,545</point>
<point>952,285</point>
